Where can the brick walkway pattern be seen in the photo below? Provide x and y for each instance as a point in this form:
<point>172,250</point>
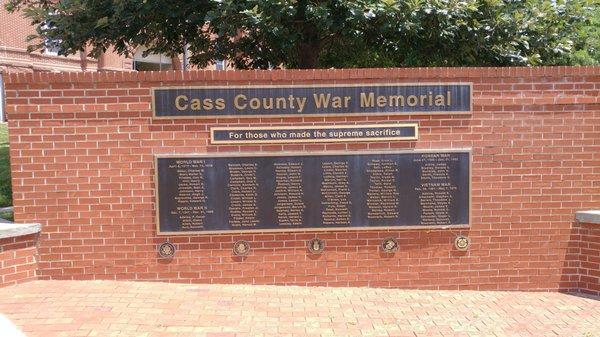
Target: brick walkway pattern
<point>108,308</point>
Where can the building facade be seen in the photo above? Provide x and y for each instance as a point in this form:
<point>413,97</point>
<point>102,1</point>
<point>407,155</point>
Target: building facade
<point>14,57</point>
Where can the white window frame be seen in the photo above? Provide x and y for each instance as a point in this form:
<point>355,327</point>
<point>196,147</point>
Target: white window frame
<point>51,46</point>
<point>51,50</point>
<point>2,104</point>
<point>220,65</point>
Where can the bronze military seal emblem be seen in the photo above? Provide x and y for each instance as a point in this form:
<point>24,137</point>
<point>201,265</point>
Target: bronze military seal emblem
<point>316,246</point>
<point>462,242</point>
<point>241,248</point>
<point>166,250</point>
<point>389,245</point>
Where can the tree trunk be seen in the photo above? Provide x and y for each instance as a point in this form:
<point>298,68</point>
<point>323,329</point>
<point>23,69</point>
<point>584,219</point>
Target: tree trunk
<point>308,54</point>
<point>309,45</point>
<point>176,63</point>
<point>83,60</point>
<point>101,62</point>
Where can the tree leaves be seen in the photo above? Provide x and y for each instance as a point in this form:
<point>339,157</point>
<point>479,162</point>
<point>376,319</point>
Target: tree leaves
<point>326,33</point>
<point>102,22</point>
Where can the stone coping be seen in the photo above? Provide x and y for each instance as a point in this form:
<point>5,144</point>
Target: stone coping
<point>395,74</point>
<point>11,230</point>
<point>591,216</point>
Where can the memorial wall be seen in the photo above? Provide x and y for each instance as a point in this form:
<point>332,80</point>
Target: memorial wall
<point>432,178</point>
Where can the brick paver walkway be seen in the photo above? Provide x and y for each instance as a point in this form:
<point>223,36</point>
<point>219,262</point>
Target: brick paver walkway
<point>107,308</point>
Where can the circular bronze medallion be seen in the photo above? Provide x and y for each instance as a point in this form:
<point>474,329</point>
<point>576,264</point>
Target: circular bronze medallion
<point>316,246</point>
<point>462,242</point>
<point>241,248</point>
<point>389,245</point>
<point>166,250</point>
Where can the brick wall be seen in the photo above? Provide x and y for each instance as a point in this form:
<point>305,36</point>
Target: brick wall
<point>18,260</point>
<point>583,259</point>
<point>82,148</point>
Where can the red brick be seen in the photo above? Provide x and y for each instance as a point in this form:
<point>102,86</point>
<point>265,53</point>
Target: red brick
<point>534,135</point>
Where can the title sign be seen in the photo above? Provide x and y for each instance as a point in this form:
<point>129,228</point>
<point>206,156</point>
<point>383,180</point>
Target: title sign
<point>292,100</point>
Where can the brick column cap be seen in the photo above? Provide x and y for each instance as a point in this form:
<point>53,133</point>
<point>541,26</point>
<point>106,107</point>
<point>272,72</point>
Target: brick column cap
<point>248,76</point>
<point>11,230</point>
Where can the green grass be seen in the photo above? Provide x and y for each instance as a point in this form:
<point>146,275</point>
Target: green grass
<point>7,216</point>
<point>5,185</point>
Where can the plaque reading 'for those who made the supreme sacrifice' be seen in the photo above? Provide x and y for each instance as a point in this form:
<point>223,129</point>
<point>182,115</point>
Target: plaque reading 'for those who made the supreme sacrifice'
<point>299,191</point>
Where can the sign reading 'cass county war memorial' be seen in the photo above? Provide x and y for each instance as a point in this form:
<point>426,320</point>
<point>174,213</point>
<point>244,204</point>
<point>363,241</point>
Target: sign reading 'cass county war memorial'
<point>439,98</point>
<point>295,191</point>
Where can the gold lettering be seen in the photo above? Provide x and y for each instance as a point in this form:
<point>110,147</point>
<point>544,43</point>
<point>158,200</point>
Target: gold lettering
<point>321,101</point>
<point>255,103</point>
<point>280,103</point>
<point>449,100</point>
<point>412,100</point>
<point>381,101</point>
<point>440,100</point>
<point>346,101</point>
<point>207,104</point>
<point>195,104</point>
<point>301,103</point>
<point>237,104</point>
<point>268,103</point>
<point>396,100</point>
<point>336,102</point>
<point>220,103</point>
<point>423,98</point>
<point>178,100</point>
<point>367,101</point>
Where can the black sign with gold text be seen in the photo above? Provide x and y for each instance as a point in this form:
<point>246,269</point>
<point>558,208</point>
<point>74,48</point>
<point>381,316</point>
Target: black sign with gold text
<point>189,102</point>
<point>300,191</point>
<point>313,133</point>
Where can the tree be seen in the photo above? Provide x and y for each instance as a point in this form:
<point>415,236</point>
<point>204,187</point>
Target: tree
<point>586,49</point>
<point>260,34</point>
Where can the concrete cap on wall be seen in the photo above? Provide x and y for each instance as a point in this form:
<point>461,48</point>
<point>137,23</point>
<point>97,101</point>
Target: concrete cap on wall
<point>591,216</point>
<point>11,230</point>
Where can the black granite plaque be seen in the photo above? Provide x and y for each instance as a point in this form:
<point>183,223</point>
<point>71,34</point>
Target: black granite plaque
<point>204,194</point>
<point>422,98</point>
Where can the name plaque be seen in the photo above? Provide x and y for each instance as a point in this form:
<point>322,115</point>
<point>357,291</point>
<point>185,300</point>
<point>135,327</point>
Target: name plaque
<point>313,134</point>
<point>310,100</point>
<point>312,191</point>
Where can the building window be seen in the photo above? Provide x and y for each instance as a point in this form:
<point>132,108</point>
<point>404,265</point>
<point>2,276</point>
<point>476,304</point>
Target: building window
<point>2,115</point>
<point>220,65</point>
<point>151,61</point>
<point>52,46</point>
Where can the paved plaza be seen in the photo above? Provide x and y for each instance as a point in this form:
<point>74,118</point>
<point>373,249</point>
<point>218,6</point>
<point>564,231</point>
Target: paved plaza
<point>109,308</point>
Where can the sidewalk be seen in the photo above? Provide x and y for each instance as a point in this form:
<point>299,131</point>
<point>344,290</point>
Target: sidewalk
<point>109,308</point>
